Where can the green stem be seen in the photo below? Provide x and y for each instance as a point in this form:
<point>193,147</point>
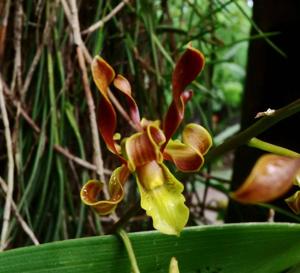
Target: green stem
<point>129,249</point>
<point>268,147</point>
<point>257,128</point>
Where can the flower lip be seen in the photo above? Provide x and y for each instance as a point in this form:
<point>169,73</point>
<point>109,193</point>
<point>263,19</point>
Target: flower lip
<point>161,197</point>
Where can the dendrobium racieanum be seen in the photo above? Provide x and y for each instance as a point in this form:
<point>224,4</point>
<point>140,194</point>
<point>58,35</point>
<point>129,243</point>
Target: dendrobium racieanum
<point>144,152</point>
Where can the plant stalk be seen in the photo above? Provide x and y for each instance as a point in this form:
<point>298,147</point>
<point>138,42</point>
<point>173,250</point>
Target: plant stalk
<point>129,249</point>
<point>268,147</point>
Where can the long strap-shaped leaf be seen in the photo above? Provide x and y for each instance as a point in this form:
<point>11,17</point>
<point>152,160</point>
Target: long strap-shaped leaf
<point>236,248</point>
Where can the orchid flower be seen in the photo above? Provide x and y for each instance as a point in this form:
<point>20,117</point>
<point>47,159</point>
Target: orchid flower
<point>143,153</point>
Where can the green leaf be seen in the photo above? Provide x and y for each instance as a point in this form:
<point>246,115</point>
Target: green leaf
<point>240,248</point>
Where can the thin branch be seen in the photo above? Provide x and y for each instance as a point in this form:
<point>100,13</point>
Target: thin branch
<point>35,60</point>
<point>67,11</point>
<point>122,111</point>
<point>17,73</point>
<point>78,41</point>
<point>77,160</point>
<point>75,22</point>
<point>86,54</point>
<point>10,177</point>
<point>92,115</point>
<point>106,18</point>
<point>3,28</point>
<point>91,105</point>
<point>39,7</point>
<point>19,217</point>
<point>46,33</point>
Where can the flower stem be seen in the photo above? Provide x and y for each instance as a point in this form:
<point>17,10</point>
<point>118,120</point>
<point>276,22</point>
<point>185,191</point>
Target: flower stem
<point>129,249</point>
<point>275,149</point>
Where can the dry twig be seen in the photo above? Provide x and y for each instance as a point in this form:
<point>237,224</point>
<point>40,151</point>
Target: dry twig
<point>35,60</point>
<point>17,74</point>
<point>91,105</point>
<point>3,27</point>
<point>19,217</point>
<point>10,177</point>
<point>106,18</point>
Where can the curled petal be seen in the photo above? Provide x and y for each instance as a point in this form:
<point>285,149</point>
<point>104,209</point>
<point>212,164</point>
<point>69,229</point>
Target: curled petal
<point>144,147</point>
<point>161,198</point>
<point>271,177</point>
<point>294,202</point>
<point>145,123</point>
<point>123,85</point>
<point>91,190</point>
<point>155,135</point>
<point>186,70</point>
<point>183,156</point>
<point>103,75</point>
<point>188,156</point>
<point>197,137</point>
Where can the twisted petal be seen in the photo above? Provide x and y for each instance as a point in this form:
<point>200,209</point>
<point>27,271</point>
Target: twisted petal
<point>90,191</point>
<point>103,75</point>
<point>188,156</point>
<point>161,198</point>
<point>144,147</point>
<point>186,70</point>
<point>123,85</point>
<point>173,118</point>
<point>271,177</point>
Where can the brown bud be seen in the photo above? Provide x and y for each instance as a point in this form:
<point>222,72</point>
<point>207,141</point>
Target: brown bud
<point>270,178</point>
